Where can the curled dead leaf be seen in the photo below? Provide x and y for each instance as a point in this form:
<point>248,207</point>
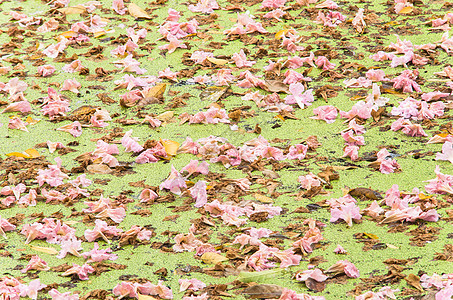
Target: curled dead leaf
<point>212,258</point>
<point>414,281</point>
<point>262,198</point>
<point>217,61</point>
<point>314,285</point>
<point>137,12</point>
<point>156,91</point>
<point>365,193</point>
<point>263,291</point>
<point>276,86</point>
<point>48,250</point>
<point>171,147</point>
<point>99,169</point>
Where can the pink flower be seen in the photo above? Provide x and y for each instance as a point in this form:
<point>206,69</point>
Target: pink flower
<point>374,210</point>
<point>56,295</point>
<point>174,182</point>
<point>323,62</point>
<point>315,274</point>
<point>204,6</point>
<point>53,175</point>
<point>309,181</point>
<point>5,226</point>
<point>173,45</point>
<point>102,230</point>
<point>115,214</point>
<point>352,151</point>
<point>22,106</point>
<point>16,123</point>
<point>375,75</point>
<point>275,14</point>
<point>340,250</point>
<point>155,290</point>
<point>129,65</point>
<point>191,284</point>
<point>273,3</point>
<point>71,85</point>
<point>36,263</point>
<point>198,193</point>
<point>118,7</point>
<point>299,96</point>
<point>148,196</point>
<point>447,152</point>
<point>344,267</point>
<point>241,60</point>
<point>125,289</point>
<point>99,255</point>
<point>130,143</point>
<point>312,236</point>
<point>81,271</point>
<point>361,109</point>
<point>75,128</point>
<point>326,113</point>
<point>32,289</point>
<point>407,108</point>
<point>346,212</point>
<point>70,246</point>
<point>352,140</point>
<point>74,66</point>
<point>186,242</point>
<point>406,81</point>
<point>168,74</point>
<point>194,166</point>
<point>298,151</point>
<point>292,76</point>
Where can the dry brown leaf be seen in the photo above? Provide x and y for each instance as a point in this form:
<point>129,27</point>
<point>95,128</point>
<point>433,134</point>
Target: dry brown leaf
<point>364,192</point>
<point>171,147</point>
<point>212,94</point>
<point>414,281</point>
<point>166,116</point>
<point>137,12</point>
<point>263,291</point>
<point>262,198</point>
<point>314,285</point>
<point>99,169</point>
<point>73,10</point>
<point>156,91</point>
<point>48,250</point>
<point>217,61</point>
<point>212,258</point>
<point>275,86</point>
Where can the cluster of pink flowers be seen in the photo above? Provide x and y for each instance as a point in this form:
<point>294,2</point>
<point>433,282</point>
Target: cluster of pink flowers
<point>133,289</point>
<point>245,25</point>
<point>263,258</point>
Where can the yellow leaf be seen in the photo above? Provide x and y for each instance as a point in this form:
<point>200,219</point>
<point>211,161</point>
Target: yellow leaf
<point>156,91</point>
<point>145,297</point>
<point>217,61</point>
<point>371,236</point>
<point>171,147</point>
<point>279,117</point>
<point>29,153</point>
<point>392,246</point>
<point>47,250</point>
<point>166,116</point>
<point>137,12</point>
<point>99,33</point>
<point>78,9</point>
<point>280,34</point>
<point>31,121</point>
<point>406,10</point>
<point>69,34</point>
<point>32,153</point>
<point>262,198</point>
<point>71,222</point>
<point>423,196</point>
<point>212,258</point>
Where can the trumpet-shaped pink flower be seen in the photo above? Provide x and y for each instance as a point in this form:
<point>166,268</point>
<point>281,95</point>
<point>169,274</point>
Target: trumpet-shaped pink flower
<point>22,106</point>
<point>352,151</point>
<point>191,284</point>
<point>75,128</point>
<point>102,230</point>
<point>81,271</point>
<point>298,151</point>
<point>344,267</point>
<point>56,295</point>
<point>31,291</point>
<point>361,109</point>
<point>174,182</point>
<point>5,226</point>
<point>36,263</point>
<point>326,113</point>
<point>447,152</point>
<point>198,193</point>
<point>186,242</point>
<point>406,81</point>
<point>315,274</point>
<point>167,73</point>
<point>194,166</point>
<point>115,214</point>
<point>241,60</point>
<point>204,6</point>
<point>16,123</point>
<point>173,45</point>
<point>148,196</point>
<point>309,181</point>
<point>346,212</point>
<point>130,143</point>
<point>99,255</point>
<point>71,246</point>
<point>340,250</point>
<point>52,175</point>
<point>118,7</point>
<point>312,236</point>
<point>125,289</point>
<point>298,95</point>
<point>71,85</point>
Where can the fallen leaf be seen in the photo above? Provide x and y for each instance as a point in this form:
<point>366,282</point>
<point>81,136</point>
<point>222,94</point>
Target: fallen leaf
<point>99,169</point>
<point>137,12</point>
<point>212,94</point>
<point>261,276</point>
<point>262,198</point>
<point>166,116</point>
<point>29,153</point>
<point>275,86</point>
<point>156,91</point>
<point>71,10</point>
<point>48,250</point>
<point>364,192</point>
<point>406,10</point>
<point>263,291</point>
<point>171,147</point>
<point>217,61</point>
<point>414,281</point>
<point>212,258</point>
<point>145,297</point>
<point>392,246</point>
<point>371,236</point>
<point>314,285</point>
<point>69,34</point>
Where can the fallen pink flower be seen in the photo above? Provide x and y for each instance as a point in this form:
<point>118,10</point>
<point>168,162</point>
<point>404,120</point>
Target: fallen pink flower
<point>174,182</point>
<point>191,284</point>
<point>340,250</point>
<point>346,212</point>
<point>447,152</point>
<point>326,113</point>
<point>148,196</point>
<point>75,128</point>
<point>199,194</point>
<point>102,230</point>
<point>36,263</point>
<point>21,106</point>
<point>32,289</point>
<point>344,267</point>
<point>16,123</point>
<point>315,274</point>
<point>117,215</point>
<point>118,7</point>
<point>71,246</point>
<point>130,143</point>
<point>81,271</point>
<point>99,255</point>
<point>186,242</point>
<point>204,6</point>
<point>5,226</point>
<point>241,60</point>
<point>56,295</point>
